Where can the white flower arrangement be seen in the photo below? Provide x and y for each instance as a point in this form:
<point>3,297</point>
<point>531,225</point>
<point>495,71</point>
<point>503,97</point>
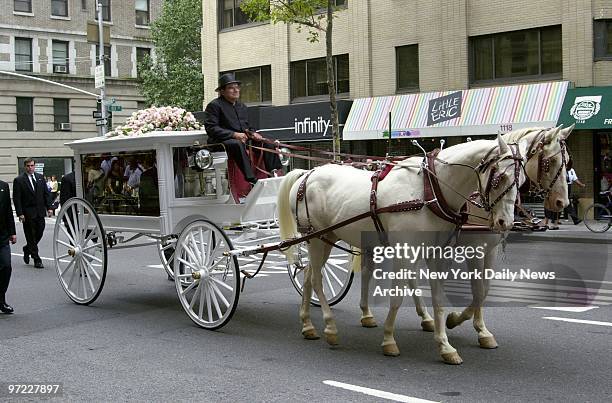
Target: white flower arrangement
<point>166,118</point>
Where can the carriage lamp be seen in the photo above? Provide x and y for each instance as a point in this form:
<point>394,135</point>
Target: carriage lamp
<point>203,159</point>
<point>284,158</point>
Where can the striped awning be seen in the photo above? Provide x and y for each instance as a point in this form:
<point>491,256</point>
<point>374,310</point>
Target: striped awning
<point>480,111</point>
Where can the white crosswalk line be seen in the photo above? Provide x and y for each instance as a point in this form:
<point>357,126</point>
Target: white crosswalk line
<point>586,322</point>
<point>377,393</point>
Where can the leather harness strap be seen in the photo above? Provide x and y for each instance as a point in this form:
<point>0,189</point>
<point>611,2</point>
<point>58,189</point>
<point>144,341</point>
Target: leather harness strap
<point>433,194</point>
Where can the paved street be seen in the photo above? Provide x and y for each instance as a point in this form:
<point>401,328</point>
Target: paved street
<point>135,342</point>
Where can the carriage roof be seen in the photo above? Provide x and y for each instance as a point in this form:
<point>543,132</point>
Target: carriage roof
<point>151,139</point>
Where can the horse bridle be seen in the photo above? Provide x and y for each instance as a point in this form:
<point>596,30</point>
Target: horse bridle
<point>537,147</point>
<point>495,177</point>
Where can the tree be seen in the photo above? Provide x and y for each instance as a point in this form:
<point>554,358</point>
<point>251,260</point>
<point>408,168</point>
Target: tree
<point>174,76</point>
<point>305,14</point>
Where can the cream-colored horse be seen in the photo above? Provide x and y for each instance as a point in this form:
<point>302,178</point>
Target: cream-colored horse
<point>545,142</point>
<point>335,193</point>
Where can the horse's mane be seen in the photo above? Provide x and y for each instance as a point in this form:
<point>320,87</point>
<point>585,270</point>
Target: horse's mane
<point>515,135</point>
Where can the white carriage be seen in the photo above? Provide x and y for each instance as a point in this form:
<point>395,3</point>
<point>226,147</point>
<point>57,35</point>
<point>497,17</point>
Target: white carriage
<point>182,202</point>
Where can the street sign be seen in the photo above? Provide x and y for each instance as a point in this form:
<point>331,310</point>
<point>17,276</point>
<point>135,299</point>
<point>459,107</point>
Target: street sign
<point>39,168</point>
<point>115,108</point>
<point>101,122</point>
<point>97,114</point>
<point>99,76</point>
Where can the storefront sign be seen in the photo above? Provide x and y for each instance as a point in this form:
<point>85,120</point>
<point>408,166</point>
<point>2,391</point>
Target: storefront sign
<point>444,108</point>
<point>588,108</point>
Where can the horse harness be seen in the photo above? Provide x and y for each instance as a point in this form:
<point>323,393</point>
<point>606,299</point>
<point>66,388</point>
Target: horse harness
<point>434,199</point>
<point>537,147</point>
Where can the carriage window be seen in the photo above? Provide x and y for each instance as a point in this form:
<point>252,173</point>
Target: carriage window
<point>123,183</point>
<point>189,181</point>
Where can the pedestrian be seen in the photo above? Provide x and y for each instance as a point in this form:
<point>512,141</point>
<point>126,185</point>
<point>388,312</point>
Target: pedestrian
<point>148,190</point>
<point>68,189</point>
<point>32,201</point>
<point>226,122</point>
<point>7,234</point>
<point>571,210</point>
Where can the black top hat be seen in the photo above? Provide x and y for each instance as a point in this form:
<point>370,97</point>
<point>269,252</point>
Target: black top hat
<point>225,79</point>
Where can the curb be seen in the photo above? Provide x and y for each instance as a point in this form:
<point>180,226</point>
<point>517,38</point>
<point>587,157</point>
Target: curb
<point>518,237</point>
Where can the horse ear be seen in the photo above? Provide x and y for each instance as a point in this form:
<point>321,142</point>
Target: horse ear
<point>503,146</point>
<point>551,134</point>
<point>564,134</point>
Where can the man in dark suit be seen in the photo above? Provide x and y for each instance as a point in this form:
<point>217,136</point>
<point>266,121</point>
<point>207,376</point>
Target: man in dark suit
<point>68,188</point>
<point>32,201</point>
<point>148,190</point>
<point>7,233</point>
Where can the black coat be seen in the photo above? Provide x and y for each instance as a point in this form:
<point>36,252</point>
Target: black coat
<point>222,119</point>
<point>68,188</point>
<point>29,203</point>
<point>7,221</point>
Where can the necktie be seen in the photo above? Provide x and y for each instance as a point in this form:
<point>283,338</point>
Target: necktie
<point>32,182</point>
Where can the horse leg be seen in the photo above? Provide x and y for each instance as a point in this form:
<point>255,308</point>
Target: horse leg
<point>308,330</point>
<point>455,319</point>
<point>427,322</point>
<point>367,319</point>
<point>485,337</point>
<point>389,345</point>
<point>318,254</point>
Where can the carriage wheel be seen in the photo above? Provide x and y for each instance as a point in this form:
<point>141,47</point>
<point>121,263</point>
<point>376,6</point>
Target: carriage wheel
<point>166,251</point>
<point>79,251</point>
<point>337,274</point>
<point>207,279</point>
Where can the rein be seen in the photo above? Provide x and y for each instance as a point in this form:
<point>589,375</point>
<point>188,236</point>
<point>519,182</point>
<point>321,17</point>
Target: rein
<point>537,147</point>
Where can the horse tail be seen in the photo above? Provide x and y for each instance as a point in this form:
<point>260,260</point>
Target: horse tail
<point>287,224</point>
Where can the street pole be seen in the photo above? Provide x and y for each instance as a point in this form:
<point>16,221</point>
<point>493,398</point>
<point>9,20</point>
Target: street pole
<point>103,128</point>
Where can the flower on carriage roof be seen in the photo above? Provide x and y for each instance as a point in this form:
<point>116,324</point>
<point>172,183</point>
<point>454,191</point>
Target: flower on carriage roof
<point>165,118</point>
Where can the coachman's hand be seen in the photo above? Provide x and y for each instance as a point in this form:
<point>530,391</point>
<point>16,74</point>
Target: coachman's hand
<point>256,136</point>
<point>13,239</point>
<point>241,136</point>
<point>21,218</point>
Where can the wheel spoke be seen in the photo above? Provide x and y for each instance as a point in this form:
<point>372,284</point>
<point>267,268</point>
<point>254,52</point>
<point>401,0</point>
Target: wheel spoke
<point>209,248</point>
<point>195,295</point>
<point>74,212</point>
<point>91,247</point>
<point>196,250</point>
<point>208,304</point>
<point>92,257</point>
<point>86,225</point>
<point>82,281</point>
<point>189,287</point>
<point>64,243</point>
<point>188,264</point>
<point>193,257</point>
<point>201,306</point>
<point>73,274</point>
<point>213,296</point>
<point>71,224</point>
<point>214,286</point>
<point>222,284</point>
<point>67,267</point>
<point>93,270</point>
<point>334,275</point>
<point>327,280</point>
<point>223,259</point>
<point>93,234</point>
<point>70,238</point>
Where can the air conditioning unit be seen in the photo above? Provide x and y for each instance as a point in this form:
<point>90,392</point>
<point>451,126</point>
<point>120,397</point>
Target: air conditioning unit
<point>65,126</point>
<point>60,69</point>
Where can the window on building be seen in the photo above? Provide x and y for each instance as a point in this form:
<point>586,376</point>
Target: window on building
<point>84,4</point>
<point>61,113</point>
<point>106,10</point>
<point>107,59</point>
<point>60,57</point>
<point>25,114</point>
<point>140,105</point>
<point>256,84</point>
<point>59,8</point>
<point>602,30</point>
<point>517,54</point>
<point>142,12</point>
<point>231,14</point>
<point>141,53</point>
<point>23,6</point>
<point>23,54</point>
<point>407,67</point>
<point>309,77</point>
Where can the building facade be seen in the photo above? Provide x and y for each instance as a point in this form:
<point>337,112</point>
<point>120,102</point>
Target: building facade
<point>388,48</point>
<point>49,40</point>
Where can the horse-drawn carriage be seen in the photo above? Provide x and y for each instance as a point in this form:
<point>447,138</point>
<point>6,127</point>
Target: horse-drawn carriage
<point>181,200</point>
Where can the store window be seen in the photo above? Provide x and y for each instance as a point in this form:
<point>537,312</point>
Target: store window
<point>23,54</point>
<point>142,12</point>
<point>121,183</point>
<point>60,57</point>
<point>309,77</point>
<point>25,114</point>
<point>516,55</point>
<point>256,84</point>
<point>59,8</point>
<point>407,68</point>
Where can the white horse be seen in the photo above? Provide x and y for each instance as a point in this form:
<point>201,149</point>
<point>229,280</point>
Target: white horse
<point>550,179</point>
<point>336,193</point>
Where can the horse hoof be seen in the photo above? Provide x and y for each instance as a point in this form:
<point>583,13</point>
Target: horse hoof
<point>487,342</point>
<point>452,358</point>
<point>391,350</point>
<point>452,320</point>
<point>428,325</point>
<point>310,334</point>
<point>332,339</point>
<point>368,322</point>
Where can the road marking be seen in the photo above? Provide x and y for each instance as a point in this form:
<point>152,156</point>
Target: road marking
<point>586,322</point>
<point>566,308</point>
<point>377,393</point>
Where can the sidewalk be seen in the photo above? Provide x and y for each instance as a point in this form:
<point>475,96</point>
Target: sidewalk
<point>567,232</point>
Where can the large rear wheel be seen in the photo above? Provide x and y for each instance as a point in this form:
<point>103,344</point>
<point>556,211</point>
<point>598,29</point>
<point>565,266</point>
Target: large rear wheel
<point>597,218</point>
